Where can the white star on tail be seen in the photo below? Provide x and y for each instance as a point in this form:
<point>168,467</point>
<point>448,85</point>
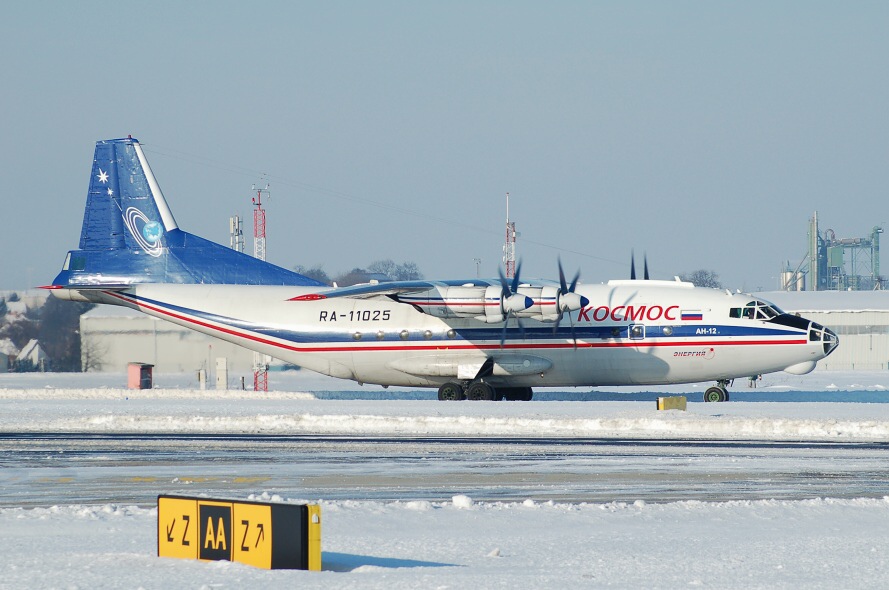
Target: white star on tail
<point>103,176</point>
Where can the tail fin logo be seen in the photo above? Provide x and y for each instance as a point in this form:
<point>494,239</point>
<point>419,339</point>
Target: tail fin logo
<point>149,237</point>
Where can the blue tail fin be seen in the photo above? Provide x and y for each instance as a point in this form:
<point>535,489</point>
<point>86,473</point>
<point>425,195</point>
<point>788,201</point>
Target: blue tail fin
<point>129,235</point>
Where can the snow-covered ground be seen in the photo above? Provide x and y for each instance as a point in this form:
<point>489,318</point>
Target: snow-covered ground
<point>303,403</point>
<point>814,543</point>
<point>459,544</point>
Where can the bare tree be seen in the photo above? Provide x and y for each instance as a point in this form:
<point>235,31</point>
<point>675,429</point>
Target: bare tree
<point>702,278</point>
<point>59,332</point>
<point>353,277</point>
<point>406,271</point>
<point>384,267</point>
<point>92,354</point>
<point>315,272</point>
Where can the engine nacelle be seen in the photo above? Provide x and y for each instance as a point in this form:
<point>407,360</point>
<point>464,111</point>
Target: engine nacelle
<point>544,303</point>
<point>548,303</point>
<point>498,307</point>
<point>482,302</point>
<point>461,302</point>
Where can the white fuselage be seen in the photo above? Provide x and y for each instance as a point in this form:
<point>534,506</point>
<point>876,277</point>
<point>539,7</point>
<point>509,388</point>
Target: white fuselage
<point>632,332</point>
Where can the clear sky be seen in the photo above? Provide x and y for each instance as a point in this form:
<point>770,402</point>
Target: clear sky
<point>704,133</point>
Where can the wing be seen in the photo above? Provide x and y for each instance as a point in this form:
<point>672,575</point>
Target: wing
<point>370,291</point>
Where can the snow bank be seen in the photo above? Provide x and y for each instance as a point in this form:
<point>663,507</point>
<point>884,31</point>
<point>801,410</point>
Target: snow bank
<point>281,413</point>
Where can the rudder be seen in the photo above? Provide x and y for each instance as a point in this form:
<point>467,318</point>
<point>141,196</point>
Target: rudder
<point>123,194</point>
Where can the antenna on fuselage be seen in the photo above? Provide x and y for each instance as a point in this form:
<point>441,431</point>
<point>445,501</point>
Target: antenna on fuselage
<point>633,266</point>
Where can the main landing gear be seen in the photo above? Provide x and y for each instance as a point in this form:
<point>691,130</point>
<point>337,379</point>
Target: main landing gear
<point>481,390</point>
<point>719,393</point>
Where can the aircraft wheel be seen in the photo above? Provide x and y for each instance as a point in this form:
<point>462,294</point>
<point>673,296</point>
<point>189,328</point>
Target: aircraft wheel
<point>715,394</point>
<point>480,391</point>
<point>510,394</point>
<point>517,394</point>
<point>451,392</point>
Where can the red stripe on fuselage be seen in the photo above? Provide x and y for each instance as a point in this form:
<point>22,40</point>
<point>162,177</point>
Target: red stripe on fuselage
<point>440,303</point>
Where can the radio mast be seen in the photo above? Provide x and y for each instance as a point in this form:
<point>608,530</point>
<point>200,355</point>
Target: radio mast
<point>260,361</point>
<point>509,247</point>
<point>236,232</point>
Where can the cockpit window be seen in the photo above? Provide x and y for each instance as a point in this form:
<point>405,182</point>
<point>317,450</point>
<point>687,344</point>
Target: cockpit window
<point>770,310</point>
<point>755,310</point>
<point>742,312</point>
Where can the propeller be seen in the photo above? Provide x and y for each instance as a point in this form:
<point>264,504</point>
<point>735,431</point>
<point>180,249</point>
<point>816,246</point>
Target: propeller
<point>511,301</point>
<point>568,301</point>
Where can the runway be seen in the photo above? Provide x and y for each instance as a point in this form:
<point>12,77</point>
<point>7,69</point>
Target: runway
<point>46,469</point>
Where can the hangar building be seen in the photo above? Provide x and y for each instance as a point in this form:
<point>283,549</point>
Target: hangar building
<point>112,336</point>
<point>859,318</point>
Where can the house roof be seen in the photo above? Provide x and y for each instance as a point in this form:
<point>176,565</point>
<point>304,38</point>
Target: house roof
<point>31,348</point>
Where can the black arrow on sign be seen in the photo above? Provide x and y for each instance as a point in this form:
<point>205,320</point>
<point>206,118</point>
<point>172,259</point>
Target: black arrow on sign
<point>261,535</point>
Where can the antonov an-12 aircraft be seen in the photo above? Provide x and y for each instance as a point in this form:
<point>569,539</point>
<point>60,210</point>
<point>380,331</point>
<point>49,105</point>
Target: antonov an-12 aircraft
<point>472,339</point>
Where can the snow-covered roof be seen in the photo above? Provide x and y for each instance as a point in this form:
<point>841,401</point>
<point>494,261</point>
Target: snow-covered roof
<point>32,349</point>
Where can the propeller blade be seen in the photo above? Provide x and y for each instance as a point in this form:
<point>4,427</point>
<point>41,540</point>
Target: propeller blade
<point>516,303</point>
<point>558,322</point>
<point>645,259</point>
<point>572,302</point>
<point>506,323</point>
<point>504,286</point>
<point>573,332</point>
<point>510,299</point>
<point>568,300</point>
<point>574,282</point>
<point>515,279</point>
